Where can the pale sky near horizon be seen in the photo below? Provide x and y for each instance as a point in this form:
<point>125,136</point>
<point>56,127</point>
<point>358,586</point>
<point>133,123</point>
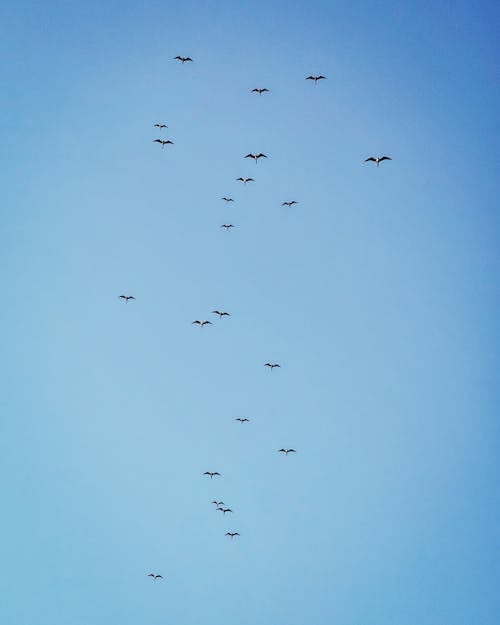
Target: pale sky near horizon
<point>377,293</point>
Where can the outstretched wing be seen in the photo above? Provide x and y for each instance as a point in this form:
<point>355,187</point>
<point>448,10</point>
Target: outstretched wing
<point>261,155</point>
<point>386,158</point>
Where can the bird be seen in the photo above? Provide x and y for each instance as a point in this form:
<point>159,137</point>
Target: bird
<point>316,78</point>
<point>155,577</point>
<point>231,534</point>
<point>227,226</point>
<point>241,420</point>
<point>378,159</point>
<point>221,313</point>
<point>245,180</point>
<point>224,510</point>
<point>287,451</point>
<point>160,126</point>
<point>218,503</point>
<point>183,59</point>
<point>201,323</point>
<point>211,473</point>
<point>255,156</point>
<point>125,298</point>
<point>272,365</point>
<point>259,91</point>
<point>163,142</point>
<point>289,203</point>
<point>227,199</point>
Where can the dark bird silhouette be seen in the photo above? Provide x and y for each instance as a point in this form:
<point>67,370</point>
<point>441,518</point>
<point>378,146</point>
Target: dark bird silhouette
<point>227,199</point>
<point>161,126</point>
<point>378,159</point>
<point>245,180</point>
<point>163,142</point>
<point>183,59</point>
<point>287,451</point>
<point>211,473</point>
<point>224,510</point>
<point>289,203</point>
<point>201,323</point>
<point>221,313</point>
<point>255,156</point>
<point>241,420</point>
<point>272,365</point>
<point>125,298</point>
<point>316,78</point>
<point>155,577</point>
<point>218,503</point>
<point>260,91</point>
<point>231,534</point>
<point>227,226</point>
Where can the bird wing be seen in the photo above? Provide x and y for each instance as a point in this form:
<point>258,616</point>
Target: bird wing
<point>283,450</point>
<point>370,159</point>
<point>250,180</point>
<point>310,78</point>
<point>157,141</point>
<point>159,577</point>
<point>261,155</point>
<point>188,58</point>
<point>150,575</point>
<point>292,450</point>
<point>386,158</point>
<point>215,473</point>
<point>250,156</point>
<point>320,77</point>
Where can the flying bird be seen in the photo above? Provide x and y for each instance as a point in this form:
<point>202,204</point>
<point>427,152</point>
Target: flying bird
<point>227,226</point>
<point>161,126</point>
<point>163,142</point>
<point>272,365</point>
<point>245,180</point>
<point>378,159</point>
<point>224,510</point>
<point>231,534</point>
<point>259,91</point>
<point>221,313</point>
<point>289,203</point>
<point>287,451</point>
<point>227,199</point>
<point>241,420</point>
<point>255,156</point>
<point>211,473</point>
<point>155,577</point>
<point>219,503</point>
<point>182,59</point>
<point>201,323</point>
<point>316,78</point>
<point>125,298</point>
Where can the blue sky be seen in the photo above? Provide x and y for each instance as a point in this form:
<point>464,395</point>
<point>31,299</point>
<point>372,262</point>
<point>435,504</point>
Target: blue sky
<point>376,293</point>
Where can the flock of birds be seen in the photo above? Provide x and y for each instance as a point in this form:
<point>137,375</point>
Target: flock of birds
<point>220,505</point>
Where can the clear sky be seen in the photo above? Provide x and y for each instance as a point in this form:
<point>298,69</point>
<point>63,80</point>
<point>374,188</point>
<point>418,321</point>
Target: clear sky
<point>377,294</point>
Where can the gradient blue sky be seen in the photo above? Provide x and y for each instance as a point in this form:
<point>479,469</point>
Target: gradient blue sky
<point>377,293</point>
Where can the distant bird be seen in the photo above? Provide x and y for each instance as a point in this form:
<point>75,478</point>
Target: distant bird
<point>224,510</point>
<point>241,420</point>
<point>219,503</point>
<point>289,203</point>
<point>161,126</point>
<point>125,298</point>
<point>260,91</point>
<point>155,577</point>
<point>201,323</point>
<point>227,199</point>
<point>182,59</point>
<point>255,156</point>
<point>231,534</point>
<point>221,313</point>
<point>316,78</point>
<point>245,180</point>
<point>287,451</point>
<point>378,159</point>
<point>271,365</point>
<point>163,142</point>
<point>227,226</point>
<point>211,473</point>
